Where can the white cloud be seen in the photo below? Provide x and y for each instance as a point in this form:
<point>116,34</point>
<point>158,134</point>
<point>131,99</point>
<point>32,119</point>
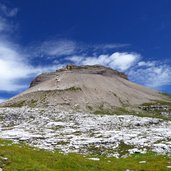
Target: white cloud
<point>8,12</point>
<point>76,59</point>
<point>56,48</point>
<point>64,47</point>
<point>100,60</point>
<point>146,63</point>
<point>123,61</point>
<point>109,46</point>
<point>13,12</point>
<point>2,25</point>
<point>14,67</point>
<point>2,100</point>
<point>118,60</point>
<point>152,74</point>
<point>6,25</point>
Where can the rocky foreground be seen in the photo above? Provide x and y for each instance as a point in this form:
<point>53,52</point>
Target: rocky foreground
<point>113,135</point>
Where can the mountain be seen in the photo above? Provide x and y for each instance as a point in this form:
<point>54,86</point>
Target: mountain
<point>91,110</point>
<point>85,88</point>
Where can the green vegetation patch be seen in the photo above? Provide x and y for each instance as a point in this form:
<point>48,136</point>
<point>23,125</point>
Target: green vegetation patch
<point>101,110</point>
<point>32,103</point>
<point>123,148</point>
<point>112,111</point>
<point>16,104</point>
<point>67,89</point>
<point>20,157</point>
<point>167,95</point>
<point>148,109</point>
<point>157,102</point>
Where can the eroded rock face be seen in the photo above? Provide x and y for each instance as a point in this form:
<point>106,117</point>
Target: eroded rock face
<point>95,69</point>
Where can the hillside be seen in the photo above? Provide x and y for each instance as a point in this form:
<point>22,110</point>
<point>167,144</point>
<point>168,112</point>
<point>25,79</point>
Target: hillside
<point>93,112</point>
<point>85,88</point>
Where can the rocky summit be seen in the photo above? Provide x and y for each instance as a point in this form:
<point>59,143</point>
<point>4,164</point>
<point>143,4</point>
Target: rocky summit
<point>89,110</point>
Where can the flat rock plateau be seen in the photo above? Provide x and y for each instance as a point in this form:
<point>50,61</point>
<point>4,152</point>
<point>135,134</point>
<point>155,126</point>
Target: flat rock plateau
<point>88,110</point>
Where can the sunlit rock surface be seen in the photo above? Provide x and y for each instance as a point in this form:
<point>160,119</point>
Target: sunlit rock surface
<point>114,135</point>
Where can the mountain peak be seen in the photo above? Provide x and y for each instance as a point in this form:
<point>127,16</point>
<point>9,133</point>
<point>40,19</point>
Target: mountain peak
<point>94,69</point>
<point>83,69</point>
<point>85,88</point>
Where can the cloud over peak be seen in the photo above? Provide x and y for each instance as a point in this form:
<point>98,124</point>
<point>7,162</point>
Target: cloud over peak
<point>118,60</point>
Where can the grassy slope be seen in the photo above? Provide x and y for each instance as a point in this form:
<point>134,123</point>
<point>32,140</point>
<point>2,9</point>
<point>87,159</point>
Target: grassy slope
<point>24,158</point>
<point>141,113</point>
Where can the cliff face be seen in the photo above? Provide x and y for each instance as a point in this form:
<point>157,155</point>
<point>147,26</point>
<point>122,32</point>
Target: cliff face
<point>95,69</point>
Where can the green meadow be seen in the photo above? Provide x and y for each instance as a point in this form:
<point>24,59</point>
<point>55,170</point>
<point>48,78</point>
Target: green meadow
<point>20,157</point>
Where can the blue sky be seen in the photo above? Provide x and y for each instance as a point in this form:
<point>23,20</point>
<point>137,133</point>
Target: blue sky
<point>39,36</point>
